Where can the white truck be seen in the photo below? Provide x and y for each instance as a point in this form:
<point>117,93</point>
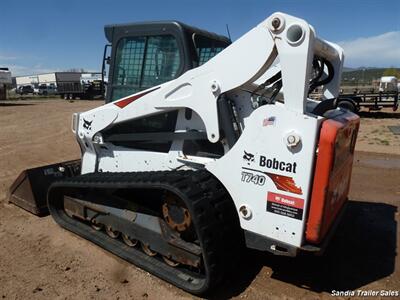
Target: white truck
<point>388,84</point>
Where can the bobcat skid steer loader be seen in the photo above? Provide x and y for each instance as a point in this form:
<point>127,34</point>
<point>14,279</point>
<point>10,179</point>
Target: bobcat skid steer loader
<point>205,146</point>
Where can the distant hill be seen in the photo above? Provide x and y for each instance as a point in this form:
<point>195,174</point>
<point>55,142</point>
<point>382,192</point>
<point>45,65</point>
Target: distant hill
<point>362,75</point>
<point>347,69</point>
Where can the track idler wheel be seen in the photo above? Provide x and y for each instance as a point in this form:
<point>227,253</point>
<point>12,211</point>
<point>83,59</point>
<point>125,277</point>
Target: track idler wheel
<point>176,214</point>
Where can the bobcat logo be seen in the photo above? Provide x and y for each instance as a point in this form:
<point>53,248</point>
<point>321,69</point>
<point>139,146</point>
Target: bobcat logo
<point>87,125</point>
<point>248,157</point>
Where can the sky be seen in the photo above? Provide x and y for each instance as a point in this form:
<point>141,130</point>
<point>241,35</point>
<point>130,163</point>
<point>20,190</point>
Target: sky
<point>39,36</point>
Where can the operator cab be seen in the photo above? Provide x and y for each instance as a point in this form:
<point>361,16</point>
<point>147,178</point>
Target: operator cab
<point>150,53</point>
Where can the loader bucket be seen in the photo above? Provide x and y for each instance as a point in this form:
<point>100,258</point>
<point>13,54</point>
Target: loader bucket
<point>29,190</point>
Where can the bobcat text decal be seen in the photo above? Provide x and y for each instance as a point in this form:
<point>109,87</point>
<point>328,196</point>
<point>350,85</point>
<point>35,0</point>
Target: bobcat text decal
<point>282,182</point>
<point>277,165</point>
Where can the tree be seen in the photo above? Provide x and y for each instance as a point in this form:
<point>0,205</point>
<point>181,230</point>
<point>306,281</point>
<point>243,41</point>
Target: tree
<point>392,72</point>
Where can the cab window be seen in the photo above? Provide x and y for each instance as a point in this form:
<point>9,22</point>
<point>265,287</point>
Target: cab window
<point>143,62</point>
<point>207,48</point>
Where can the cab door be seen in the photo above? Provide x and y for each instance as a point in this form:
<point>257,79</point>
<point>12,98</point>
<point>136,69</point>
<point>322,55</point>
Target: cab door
<point>144,56</point>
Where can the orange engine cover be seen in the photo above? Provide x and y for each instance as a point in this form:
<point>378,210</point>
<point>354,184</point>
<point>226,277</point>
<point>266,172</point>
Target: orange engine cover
<point>332,173</point>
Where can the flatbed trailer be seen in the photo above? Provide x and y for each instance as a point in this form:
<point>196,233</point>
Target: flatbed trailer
<point>71,86</point>
<point>372,101</point>
<point>77,89</point>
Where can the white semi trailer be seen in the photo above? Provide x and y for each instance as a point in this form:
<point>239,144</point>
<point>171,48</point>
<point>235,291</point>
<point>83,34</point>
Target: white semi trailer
<point>32,80</point>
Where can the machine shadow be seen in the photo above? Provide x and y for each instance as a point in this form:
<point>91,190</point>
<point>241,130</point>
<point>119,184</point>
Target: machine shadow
<point>379,115</point>
<point>16,104</point>
<point>363,250</point>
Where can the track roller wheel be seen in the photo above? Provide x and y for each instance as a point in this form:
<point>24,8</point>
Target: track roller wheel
<point>199,235</point>
<point>128,241</point>
<point>146,249</point>
<point>112,233</point>
<point>170,262</point>
<point>96,226</point>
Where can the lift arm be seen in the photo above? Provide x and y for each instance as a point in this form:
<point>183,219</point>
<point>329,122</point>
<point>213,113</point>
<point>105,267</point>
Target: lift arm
<point>281,36</point>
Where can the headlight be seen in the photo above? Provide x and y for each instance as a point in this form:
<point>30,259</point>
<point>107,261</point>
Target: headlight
<point>75,121</point>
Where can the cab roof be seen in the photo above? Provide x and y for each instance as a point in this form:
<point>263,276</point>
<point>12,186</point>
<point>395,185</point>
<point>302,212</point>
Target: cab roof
<point>154,25</point>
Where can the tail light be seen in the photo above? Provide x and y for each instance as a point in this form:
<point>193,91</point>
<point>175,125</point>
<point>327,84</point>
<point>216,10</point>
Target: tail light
<point>332,173</point>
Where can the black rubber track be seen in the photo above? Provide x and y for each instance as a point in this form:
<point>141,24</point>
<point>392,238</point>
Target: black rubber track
<point>213,213</point>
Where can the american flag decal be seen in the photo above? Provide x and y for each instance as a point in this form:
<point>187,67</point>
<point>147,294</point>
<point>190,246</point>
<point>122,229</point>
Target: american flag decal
<point>269,121</point>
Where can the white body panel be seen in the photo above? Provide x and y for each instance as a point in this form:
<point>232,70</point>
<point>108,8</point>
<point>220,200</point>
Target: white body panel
<point>236,72</point>
<point>269,141</point>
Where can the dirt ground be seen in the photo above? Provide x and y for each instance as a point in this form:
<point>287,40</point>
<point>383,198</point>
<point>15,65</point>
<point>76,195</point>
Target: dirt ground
<point>375,136</point>
<point>40,260</point>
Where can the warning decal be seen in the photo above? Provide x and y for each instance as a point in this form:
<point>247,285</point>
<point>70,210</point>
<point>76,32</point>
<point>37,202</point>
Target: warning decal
<point>285,205</point>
